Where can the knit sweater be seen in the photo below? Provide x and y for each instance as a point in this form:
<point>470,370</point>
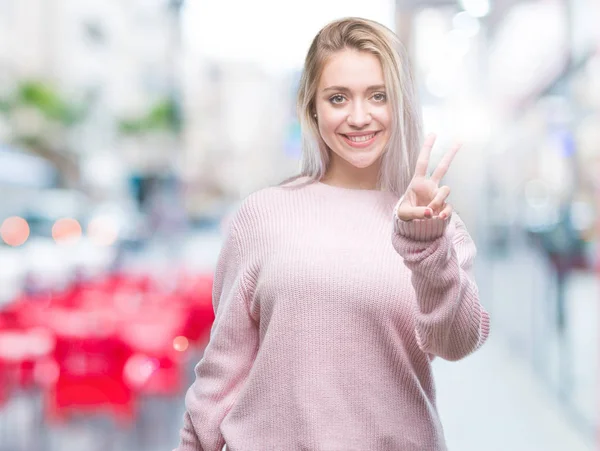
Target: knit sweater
<point>328,312</point>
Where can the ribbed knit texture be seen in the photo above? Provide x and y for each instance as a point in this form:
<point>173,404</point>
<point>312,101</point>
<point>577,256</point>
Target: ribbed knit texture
<point>328,312</point>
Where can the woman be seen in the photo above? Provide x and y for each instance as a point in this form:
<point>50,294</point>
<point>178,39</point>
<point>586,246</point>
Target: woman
<point>325,327</point>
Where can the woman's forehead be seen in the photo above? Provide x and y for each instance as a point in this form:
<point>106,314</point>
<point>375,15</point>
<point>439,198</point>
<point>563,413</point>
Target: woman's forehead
<point>352,70</point>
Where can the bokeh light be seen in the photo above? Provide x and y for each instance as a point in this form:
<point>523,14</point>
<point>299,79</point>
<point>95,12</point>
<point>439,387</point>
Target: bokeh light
<point>14,231</point>
<point>180,343</point>
<point>46,372</point>
<point>103,231</point>
<point>139,368</point>
<point>66,230</point>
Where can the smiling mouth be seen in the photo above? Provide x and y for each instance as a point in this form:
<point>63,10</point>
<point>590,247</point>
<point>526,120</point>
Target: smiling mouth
<point>360,140</point>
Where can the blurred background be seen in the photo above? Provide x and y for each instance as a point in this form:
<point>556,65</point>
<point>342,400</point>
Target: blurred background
<point>130,129</point>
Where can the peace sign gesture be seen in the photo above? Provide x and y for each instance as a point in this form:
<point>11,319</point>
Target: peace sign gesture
<point>424,198</point>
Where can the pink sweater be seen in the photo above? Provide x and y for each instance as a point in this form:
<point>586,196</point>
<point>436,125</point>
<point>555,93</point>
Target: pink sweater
<point>328,312</point>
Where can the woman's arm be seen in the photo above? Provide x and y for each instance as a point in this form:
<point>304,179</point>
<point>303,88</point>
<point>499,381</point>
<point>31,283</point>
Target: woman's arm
<point>450,321</point>
<point>229,355</point>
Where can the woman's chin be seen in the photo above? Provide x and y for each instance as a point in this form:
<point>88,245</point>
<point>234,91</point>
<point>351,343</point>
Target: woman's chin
<point>363,164</point>
<point>364,161</point>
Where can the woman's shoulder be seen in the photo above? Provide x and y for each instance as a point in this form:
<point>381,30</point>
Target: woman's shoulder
<point>267,203</point>
<point>275,194</point>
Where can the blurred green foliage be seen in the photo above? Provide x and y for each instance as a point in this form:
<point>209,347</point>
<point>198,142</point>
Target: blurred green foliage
<point>46,99</point>
<point>60,114</point>
<point>4,106</point>
<point>162,116</point>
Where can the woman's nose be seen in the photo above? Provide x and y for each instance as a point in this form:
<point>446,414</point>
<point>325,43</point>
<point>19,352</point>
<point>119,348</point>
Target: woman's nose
<point>359,116</point>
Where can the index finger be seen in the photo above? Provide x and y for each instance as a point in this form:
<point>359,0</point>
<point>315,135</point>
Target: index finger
<point>423,161</point>
<point>444,164</point>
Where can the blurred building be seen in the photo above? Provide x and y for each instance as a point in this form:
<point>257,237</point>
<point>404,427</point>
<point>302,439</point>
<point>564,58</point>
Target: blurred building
<point>237,118</point>
<point>120,58</point>
<point>518,82</point>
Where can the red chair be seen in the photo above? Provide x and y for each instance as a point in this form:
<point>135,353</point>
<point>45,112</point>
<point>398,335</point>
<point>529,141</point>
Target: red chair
<point>3,384</point>
<point>148,375</point>
<point>4,373</point>
<point>197,297</point>
<point>155,335</point>
<point>90,360</point>
<point>22,344</point>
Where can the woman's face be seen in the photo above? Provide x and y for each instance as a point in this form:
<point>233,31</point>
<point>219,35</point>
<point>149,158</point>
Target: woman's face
<point>352,108</point>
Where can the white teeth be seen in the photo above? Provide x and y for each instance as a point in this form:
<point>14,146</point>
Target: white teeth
<point>359,139</point>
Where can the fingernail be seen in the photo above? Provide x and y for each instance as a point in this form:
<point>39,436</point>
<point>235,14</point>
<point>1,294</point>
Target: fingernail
<point>443,216</point>
<point>428,212</point>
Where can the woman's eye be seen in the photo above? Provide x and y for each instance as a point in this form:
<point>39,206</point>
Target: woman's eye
<point>379,97</point>
<point>336,99</point>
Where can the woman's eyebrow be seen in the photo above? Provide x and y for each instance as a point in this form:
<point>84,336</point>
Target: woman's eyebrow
<point>345,89</point>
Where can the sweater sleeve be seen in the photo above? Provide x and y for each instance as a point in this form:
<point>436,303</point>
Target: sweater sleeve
<point>228,357</point>
<point>450,322</point>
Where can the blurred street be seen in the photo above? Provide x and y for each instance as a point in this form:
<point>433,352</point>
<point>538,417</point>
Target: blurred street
<point>491,401</point>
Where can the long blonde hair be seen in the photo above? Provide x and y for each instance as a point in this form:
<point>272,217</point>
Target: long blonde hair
<point>400,157</point>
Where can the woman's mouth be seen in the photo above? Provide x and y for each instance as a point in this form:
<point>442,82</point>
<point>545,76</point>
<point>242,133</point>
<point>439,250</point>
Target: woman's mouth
<point>360,141</point>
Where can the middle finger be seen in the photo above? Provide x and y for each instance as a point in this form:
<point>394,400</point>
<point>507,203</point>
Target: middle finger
<point>423,160</point>
<point>444,164</point>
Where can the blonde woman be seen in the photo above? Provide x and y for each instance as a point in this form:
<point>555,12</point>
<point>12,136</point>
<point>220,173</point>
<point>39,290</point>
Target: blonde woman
<point>335,290</point>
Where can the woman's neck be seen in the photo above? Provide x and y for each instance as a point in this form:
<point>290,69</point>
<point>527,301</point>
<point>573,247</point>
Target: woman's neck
<point>344,175</point>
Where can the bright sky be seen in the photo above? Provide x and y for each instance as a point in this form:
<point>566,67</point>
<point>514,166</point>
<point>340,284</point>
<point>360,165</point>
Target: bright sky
<point>275,33</point>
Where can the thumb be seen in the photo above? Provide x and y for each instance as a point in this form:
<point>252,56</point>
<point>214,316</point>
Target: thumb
<point>408,213</point>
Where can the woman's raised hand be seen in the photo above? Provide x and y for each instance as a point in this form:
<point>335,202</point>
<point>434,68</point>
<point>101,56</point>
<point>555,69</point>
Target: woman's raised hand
<point>424,198</point>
